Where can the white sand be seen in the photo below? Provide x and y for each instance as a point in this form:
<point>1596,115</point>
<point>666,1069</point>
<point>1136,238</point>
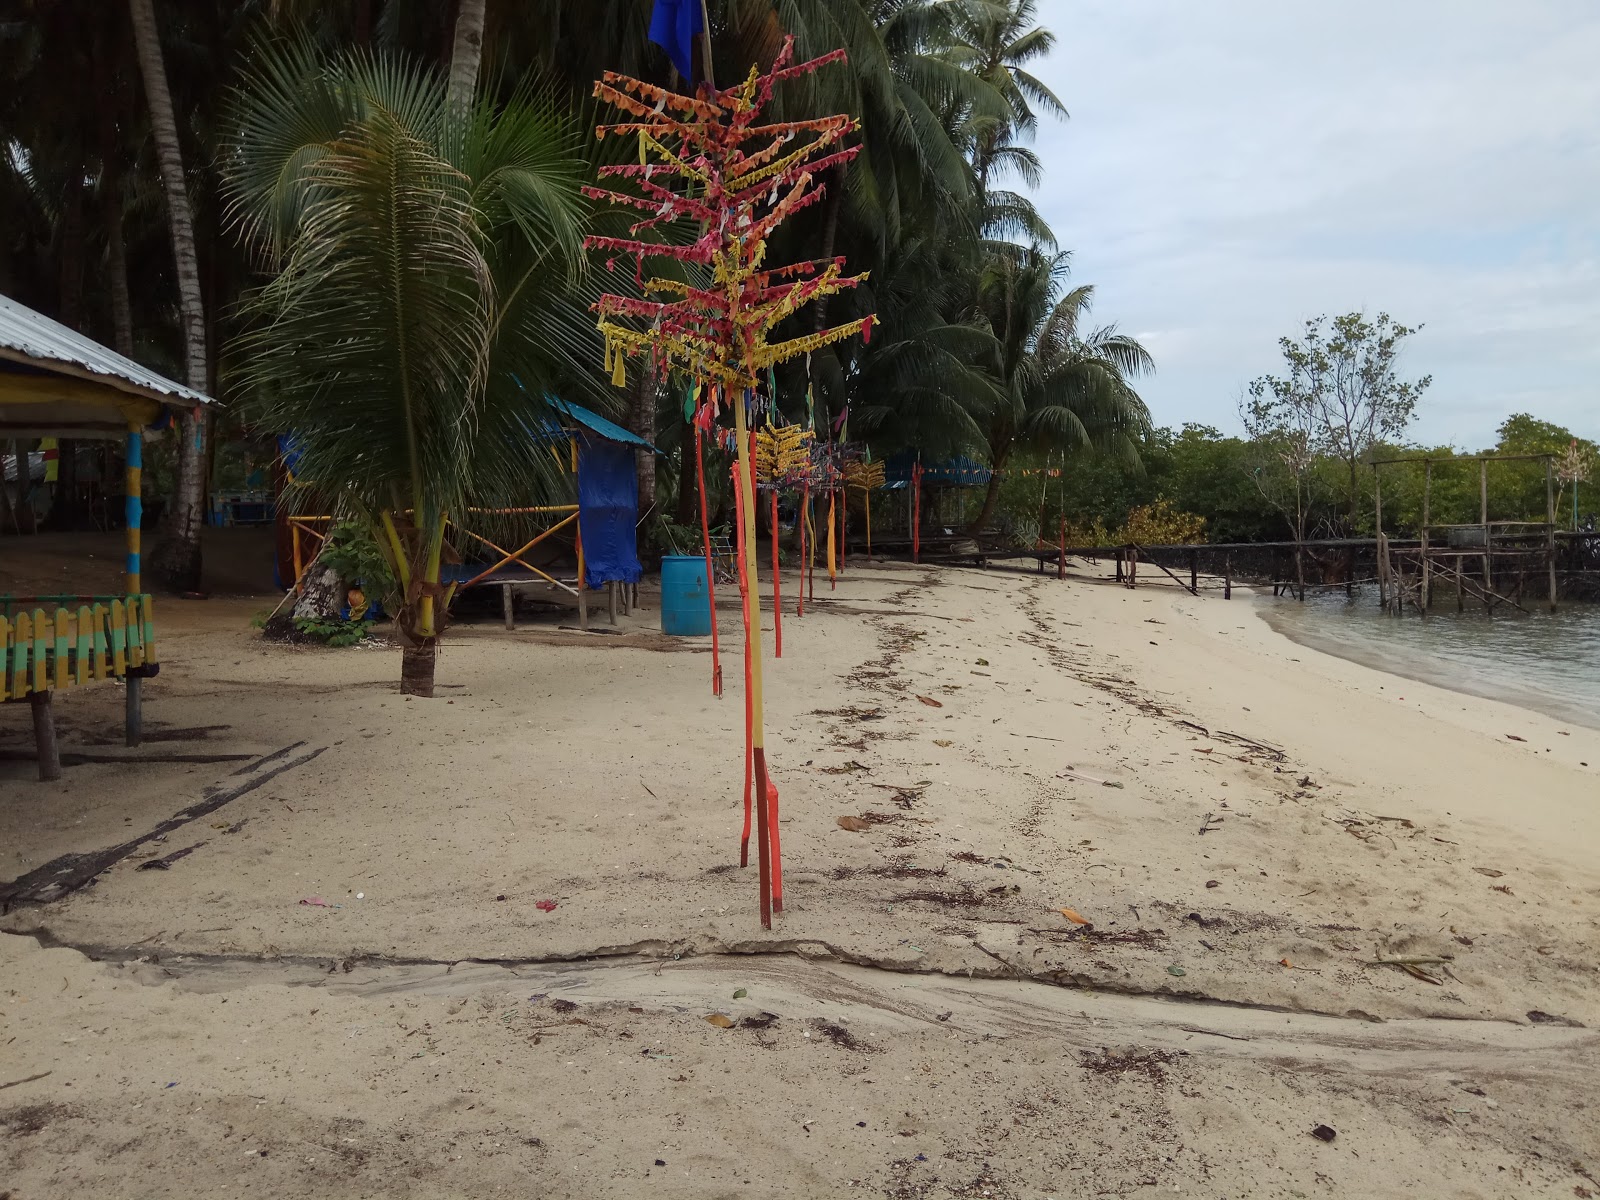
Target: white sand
<point>600,773</point>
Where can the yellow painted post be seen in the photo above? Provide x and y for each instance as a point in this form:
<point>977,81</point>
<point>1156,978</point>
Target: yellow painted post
<point>135,634</point>
<point>135,639</point>
<point>41,651</point>
<point>99,641</point>
<point>80,657</point>
<point>22,640</point>
<point>147,606</point>
<point>63,643</point>
<point>119,639</point>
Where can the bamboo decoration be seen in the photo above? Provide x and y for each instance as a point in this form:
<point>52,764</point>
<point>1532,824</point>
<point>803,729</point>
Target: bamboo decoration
<point>708,161</point>
<point>865,477</point>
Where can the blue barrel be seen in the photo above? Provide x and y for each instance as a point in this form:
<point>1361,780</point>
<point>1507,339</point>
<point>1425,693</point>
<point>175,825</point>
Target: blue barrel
<point>685,609</point>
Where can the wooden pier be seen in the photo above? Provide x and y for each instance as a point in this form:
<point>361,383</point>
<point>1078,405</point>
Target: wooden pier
<point>1496,563</point>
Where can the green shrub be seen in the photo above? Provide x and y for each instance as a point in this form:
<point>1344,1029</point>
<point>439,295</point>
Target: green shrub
<point>332,631</point>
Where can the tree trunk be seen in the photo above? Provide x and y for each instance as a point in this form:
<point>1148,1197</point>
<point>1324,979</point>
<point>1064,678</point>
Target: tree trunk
<point>70,293</point>
<point>466,55</point>
<point>688,488</point>
<point>644,424</point>
<point>416,670</point>
<point>176,560</point>
<point>322,596</point>
<point>69,298</point>
<point>830,230</point>
<point>116,262</point>
<point>991,495</point>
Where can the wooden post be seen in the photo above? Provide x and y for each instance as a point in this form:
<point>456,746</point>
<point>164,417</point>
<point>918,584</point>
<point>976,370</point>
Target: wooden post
<point>1118,553</point>
<point>1483,516</point>
<point>583,599</point>
<point>1061,552</point>
<point>133,710</point>
<point>1227,576</point>
<point>506,603</point>
<point>1194,572</point>
<point>777,582</point>
<point>44,736</point>
<point>916,511</point>
<point>1382,564</point>
<point>1550,531</point>
<point>1133,566</point>
<point>611,600</point>
<point>1377,531</point>
<point>1425,583</point>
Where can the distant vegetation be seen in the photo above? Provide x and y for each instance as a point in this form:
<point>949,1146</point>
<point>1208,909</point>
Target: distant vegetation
<point>1198,470</point>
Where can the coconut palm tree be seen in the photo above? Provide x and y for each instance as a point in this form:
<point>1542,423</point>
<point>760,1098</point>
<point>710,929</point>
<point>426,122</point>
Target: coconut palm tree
<point>176,559</point>
<point>422,299</point>
<point>1066,387</point>
<point>995,40</point>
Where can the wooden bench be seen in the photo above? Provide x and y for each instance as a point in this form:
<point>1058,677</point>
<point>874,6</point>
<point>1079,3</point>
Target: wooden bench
<point>44,651</point>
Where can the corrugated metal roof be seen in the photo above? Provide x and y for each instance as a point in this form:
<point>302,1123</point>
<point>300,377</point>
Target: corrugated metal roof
<point>35,339</point>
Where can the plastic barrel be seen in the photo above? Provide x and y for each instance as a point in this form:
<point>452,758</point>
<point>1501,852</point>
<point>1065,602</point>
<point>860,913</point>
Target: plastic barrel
<point>684,608</point>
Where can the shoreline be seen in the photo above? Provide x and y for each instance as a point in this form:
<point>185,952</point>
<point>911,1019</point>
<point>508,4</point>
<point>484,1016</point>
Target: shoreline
<point>1419,666</point>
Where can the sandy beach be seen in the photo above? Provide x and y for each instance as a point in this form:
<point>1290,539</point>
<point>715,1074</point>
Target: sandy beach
<point>348,986</point>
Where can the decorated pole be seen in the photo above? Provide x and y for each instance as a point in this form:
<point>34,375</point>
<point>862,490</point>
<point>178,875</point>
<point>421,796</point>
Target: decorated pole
<point>706,160</point>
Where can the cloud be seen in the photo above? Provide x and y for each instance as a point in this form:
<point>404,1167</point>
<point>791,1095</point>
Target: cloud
<point>1235,167</point>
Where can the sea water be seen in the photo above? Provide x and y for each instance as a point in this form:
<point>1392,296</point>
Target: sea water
<point>1545,661</point>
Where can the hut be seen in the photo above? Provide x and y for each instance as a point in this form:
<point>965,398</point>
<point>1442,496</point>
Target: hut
<point>57,383</point>
<point>600,525</point>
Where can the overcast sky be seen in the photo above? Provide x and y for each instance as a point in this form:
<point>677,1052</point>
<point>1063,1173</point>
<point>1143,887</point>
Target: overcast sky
<point>1232,167</point>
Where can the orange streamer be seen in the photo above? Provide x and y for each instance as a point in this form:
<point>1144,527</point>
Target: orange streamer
<point>711,568</point>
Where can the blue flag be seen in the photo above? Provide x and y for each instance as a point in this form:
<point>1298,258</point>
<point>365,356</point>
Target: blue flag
<point>673,26</point>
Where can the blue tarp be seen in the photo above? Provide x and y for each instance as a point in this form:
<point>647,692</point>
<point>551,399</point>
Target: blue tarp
<point>595,423</point>
<point>608,509</point>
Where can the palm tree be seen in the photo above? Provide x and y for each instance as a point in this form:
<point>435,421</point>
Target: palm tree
<point>994,40</point>
<point>423,300</point>
<point>1066,387</point>
<point>176,560</point>
<point>467,52</point>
